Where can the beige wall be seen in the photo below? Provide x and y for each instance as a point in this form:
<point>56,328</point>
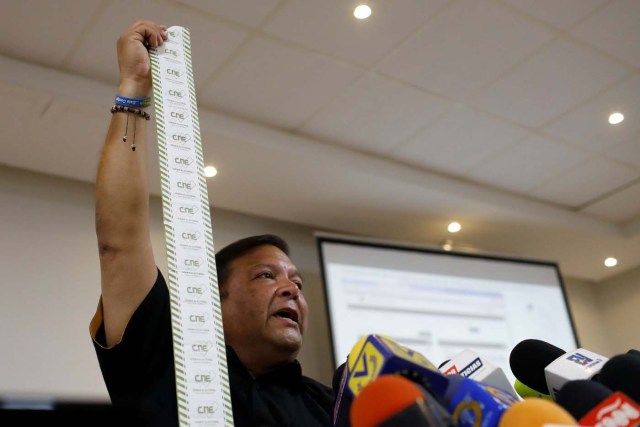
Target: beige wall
<point>619,299</point>
<point>587,316</point>
<point>50,287</point>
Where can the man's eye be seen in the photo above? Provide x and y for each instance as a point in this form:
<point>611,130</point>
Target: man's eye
<point>266,275</point>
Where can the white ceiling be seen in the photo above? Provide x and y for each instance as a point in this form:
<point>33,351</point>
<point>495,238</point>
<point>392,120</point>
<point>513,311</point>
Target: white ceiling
<point>489,112</point>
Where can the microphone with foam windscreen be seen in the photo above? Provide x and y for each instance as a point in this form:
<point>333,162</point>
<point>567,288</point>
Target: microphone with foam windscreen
<point>595,404</point>
<point>622,373</point>
<point>394,401</point>
<point>634,352</point>
<point>546,368</point>
<point>470,364</point>
<point>536,412</point>
<point>580,396</point>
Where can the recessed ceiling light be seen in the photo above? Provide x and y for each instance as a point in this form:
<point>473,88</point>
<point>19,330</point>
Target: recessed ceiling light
<point>610,262</point>
<point>616,118</point>
<point>454,227</point>
<point>362,12</point>
<point>210,171</point>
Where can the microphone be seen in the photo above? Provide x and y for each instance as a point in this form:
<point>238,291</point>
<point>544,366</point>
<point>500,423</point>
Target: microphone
<point>536,412</point>
<point>524,391</point>
<point>595,404</point>
<point>468,401</point>
<point>580,396</point>
<point>546,368</point>
<point>393,401</point>
<point>375,355</point>
<point>342,401</point>
<point>618,410</point>
<point>622,373</point>
<point>472,403</point>
<point>470,364</point>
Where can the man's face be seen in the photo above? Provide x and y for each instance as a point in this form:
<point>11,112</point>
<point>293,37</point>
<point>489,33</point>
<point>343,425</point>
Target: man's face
<point>264,311</point>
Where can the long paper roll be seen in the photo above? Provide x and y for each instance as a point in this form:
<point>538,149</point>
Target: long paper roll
<point>202,382</point>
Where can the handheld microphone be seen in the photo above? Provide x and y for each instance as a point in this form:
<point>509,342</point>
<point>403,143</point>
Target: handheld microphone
<point>342,401</point>
<point>578,397</point>
<point>470,364</point>
<point>472,403</point>
<point>546,368</point>
<point>378,354</point>
<point>622,373</point>
<point>525,391</point>
<point>374,355</point>
<point>393,401</point>
<point>617,410</point>
<point>536,412</point>
<point>594,404</point>
<point>469,402</point>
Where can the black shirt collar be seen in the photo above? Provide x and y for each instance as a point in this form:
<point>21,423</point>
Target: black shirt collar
<point>288,374</point>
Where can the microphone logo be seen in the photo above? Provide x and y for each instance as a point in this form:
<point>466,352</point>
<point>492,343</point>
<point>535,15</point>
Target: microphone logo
<point>471,367</point>
<point>617,410</point>
<point>580,359</point>
<point>453,370</point>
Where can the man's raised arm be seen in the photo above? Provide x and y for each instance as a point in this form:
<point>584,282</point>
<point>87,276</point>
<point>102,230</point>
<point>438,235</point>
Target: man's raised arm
<point>128,269</point>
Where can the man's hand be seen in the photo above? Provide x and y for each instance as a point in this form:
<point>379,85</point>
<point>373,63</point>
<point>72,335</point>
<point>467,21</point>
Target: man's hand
<point>133,57</point>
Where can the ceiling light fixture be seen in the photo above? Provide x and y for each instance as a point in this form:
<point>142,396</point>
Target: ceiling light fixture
<point>616,118</point>
<point>610,262</point>
<point>210,171</point>
<point>454,227</point>
<point>362,12</point>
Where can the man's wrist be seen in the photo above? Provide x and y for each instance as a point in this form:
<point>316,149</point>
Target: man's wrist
<point>133,90</point>
<point>125,101</point>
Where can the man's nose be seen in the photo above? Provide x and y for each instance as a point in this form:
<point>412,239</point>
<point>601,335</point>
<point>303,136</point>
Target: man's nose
<point>289,289</point>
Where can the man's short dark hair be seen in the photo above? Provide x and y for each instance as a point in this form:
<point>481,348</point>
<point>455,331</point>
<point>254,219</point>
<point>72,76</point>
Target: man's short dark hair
<point>226,255</point>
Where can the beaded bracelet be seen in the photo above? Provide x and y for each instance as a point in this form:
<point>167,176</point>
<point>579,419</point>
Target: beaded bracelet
<point>133,102</point>
<point>137,112</point>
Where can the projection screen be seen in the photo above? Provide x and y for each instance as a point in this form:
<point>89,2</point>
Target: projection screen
<point>441,302</point>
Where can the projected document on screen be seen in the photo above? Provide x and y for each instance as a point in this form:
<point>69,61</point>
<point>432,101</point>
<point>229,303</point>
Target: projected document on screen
<point>440,304</point>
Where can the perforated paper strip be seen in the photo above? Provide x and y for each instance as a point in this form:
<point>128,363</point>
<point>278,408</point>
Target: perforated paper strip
<point>198,339</point>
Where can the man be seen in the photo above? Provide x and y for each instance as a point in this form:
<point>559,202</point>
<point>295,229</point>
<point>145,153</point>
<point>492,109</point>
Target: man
<point>263,309</point>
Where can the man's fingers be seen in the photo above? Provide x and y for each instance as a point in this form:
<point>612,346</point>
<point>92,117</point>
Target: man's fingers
<point>150,33</point>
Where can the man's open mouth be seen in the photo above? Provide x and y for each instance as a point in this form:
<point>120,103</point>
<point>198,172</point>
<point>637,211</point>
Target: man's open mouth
<point>288,314</point>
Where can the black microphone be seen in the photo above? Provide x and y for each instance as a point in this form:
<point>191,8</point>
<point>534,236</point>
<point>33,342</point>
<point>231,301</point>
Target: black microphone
<point>595,404</point>
<point>622,373</point>
<point>580,396</point>
<point>546,368</point>
<point>634,352</point>
<point>392,400</point>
